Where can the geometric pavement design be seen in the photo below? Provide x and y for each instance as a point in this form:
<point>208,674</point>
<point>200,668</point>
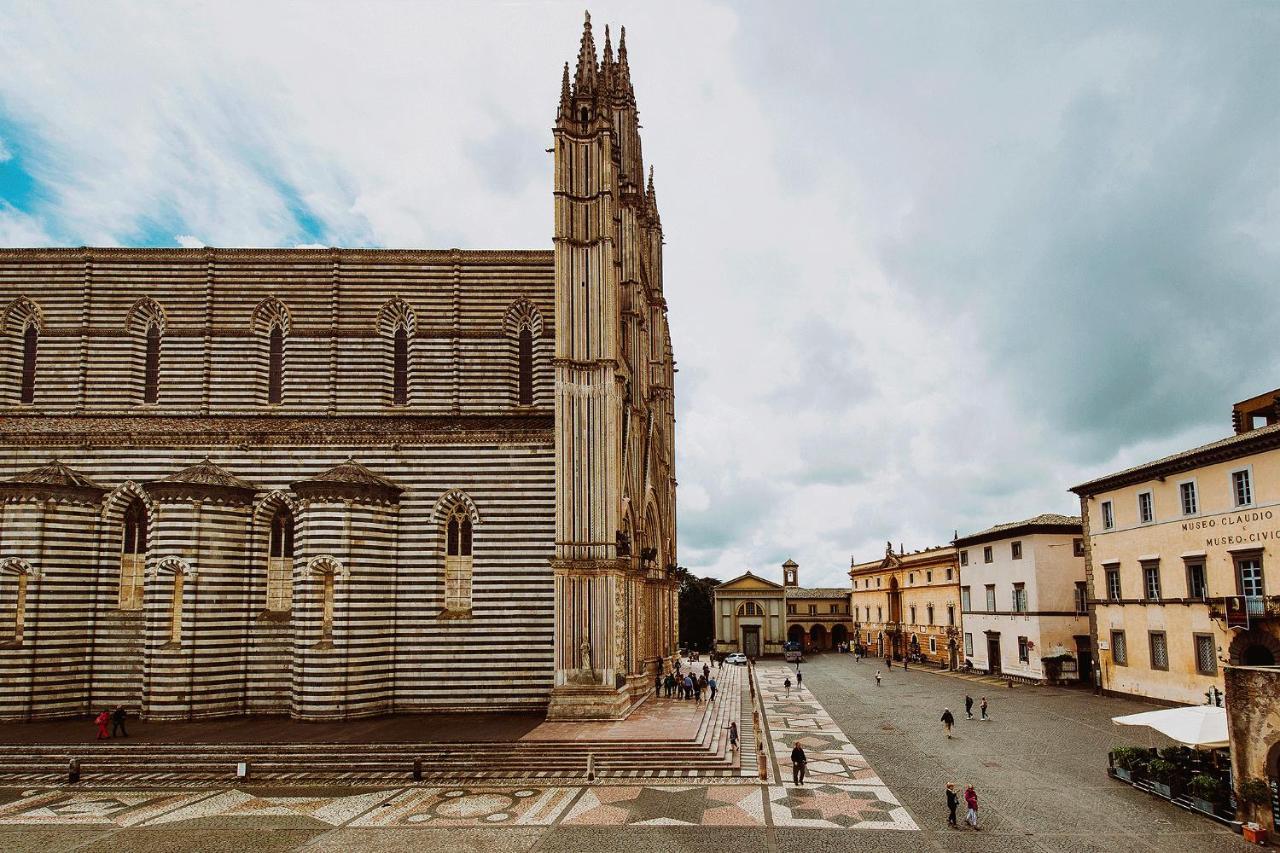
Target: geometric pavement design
<point>842,791</point>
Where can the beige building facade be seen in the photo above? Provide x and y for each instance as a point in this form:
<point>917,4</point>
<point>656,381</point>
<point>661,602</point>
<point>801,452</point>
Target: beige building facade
<point>1183,562</point>
<point>757,616</point>
<point>908,604</point>
<point>1023,597</point>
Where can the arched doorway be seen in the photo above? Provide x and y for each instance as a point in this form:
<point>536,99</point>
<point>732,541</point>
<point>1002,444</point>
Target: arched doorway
<point>839,636</point>
<point>795,634</point>
<point>818,637</point>
<point>1254,648</point>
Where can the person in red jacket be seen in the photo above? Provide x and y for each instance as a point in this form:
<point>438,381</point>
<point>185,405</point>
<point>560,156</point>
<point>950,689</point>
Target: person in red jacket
<point>103,720</point>
<point>971,807</point>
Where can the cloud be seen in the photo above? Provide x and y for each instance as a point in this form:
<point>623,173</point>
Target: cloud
<point>925,271</point>
<point>188,241</point>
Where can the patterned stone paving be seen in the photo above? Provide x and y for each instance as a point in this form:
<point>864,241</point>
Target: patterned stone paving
<point>844,792</point>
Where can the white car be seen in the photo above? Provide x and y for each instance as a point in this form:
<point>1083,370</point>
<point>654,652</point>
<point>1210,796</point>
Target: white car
<point>737,659</point>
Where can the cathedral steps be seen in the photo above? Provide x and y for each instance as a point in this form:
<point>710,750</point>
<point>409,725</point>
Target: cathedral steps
<point>704,754</point>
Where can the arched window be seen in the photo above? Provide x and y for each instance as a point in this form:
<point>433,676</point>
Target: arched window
<point>275,365</point>
<point>526,367</point>
<point>457,561</point>
<point>400,367</point>
<point>280,562</point>
<point>750,609</point>
<point>327,580</point>
<point>175,608</point>
<point>29,340</point>
<point>133,555</point>
<point>151,365</point>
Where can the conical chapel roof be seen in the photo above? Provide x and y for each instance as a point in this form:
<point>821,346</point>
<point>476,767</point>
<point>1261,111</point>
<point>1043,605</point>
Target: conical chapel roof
<point>348,479</point>
<point>52,480</point>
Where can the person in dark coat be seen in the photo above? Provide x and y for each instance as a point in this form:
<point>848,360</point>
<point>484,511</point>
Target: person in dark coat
<point>799,678</point>
<point>947,721</point>
<point>968,706</point>
<point>953,803</point>
<point>711,682</point>
<point>117,722</point>
<point>798,762</point>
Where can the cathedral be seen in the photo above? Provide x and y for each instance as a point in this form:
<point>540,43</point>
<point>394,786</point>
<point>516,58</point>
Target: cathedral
<point>335,483</point>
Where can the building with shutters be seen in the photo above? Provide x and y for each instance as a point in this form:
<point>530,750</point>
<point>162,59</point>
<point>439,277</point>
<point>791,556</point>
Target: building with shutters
<point>908,603</point>
<point>342,482</point>
<point>1183,562</point>
<point>1023,599</point>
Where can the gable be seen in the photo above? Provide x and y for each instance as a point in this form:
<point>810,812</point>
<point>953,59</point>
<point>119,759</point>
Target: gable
<point>748,583</point>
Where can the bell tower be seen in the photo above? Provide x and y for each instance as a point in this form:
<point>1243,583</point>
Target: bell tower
<point>615,607</point>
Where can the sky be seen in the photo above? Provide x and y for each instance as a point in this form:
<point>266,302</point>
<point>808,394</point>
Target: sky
<point>928,264</point>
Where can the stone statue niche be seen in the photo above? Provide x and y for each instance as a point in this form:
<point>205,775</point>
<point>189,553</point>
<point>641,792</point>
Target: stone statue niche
<point>584,674</point>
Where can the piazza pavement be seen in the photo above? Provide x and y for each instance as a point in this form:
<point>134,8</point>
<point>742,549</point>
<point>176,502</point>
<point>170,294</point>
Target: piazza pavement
<point>878,761</point>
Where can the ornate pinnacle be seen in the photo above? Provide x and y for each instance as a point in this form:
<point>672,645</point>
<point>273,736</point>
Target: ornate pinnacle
<point>623,72</point>
<point>606,66</point>
<point>566,107</point>
<point>584,80</point>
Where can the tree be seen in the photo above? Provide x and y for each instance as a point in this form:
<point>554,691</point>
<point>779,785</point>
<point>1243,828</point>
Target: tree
<point>697,614</point>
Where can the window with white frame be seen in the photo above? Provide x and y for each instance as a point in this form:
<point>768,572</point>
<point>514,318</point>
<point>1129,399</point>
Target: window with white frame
<point>966,606</point>
<point>1190,501</point>
<point>1108,516</point>
<point>933,645</point>
<point>1015,550</point>
<point>987,555</point>
<point>1082,598</point>
<point>964,558</point>
<point>1024,653</point>
<point>1151,581</point>
<point>929,610</point>
<point>1019,598</point>
<point>1146,508</point>
<point>1113,583</point>
<point>1077,547</point>
<point>991,598</point>
<point>1242,487</point>
<point>1197,584</point>
<point>968,644</point>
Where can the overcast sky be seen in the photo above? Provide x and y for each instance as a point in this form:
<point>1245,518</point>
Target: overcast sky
<point>928,264</point>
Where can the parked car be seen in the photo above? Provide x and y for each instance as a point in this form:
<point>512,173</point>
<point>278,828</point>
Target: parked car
<point>737,659</point>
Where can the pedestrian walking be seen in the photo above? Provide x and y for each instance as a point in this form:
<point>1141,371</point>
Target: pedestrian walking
<point>947,721</point>
<point>983,709</point>
<point>657,685</point>
<point>799,678</point>
<point>786,682</point>
<point>953,803</point>
<point>711,682</point>
<point>798,762</point>
<point>102,720</point>
<point>877,678</point>
<point>733,737</point>
<point>706,671</point>
<point>117,722</point>
<point>968,706</point>
<point>971,807</point>
<point>888,663</point>
<point>688,687</point>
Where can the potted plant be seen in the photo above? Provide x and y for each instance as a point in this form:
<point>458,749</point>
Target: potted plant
<point>1255,793</point>
<point>1206,792</point>
<point>1164,776</point>
<point>1128,762</point>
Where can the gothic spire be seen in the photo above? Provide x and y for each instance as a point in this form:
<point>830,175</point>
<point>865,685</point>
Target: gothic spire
<point>606,67</point>
<point>623,72</point>
<point>566,107</point>
<point>584,79</point>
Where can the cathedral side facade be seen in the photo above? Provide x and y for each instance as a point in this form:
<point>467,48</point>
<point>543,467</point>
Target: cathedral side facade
<point>345,482</point>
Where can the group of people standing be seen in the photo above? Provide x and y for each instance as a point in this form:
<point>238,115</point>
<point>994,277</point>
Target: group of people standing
<point>115,719</point>
<point>689,685</point>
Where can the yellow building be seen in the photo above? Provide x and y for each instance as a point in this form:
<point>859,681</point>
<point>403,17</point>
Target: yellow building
<point>756,616</point>
<point>1171,546</point>
<point>908,603</point>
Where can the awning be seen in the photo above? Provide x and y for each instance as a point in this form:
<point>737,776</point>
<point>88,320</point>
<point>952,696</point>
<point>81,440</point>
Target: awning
<point>1194,725</point>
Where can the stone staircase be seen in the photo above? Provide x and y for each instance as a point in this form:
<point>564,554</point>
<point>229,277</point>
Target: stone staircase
<point>705,754</point>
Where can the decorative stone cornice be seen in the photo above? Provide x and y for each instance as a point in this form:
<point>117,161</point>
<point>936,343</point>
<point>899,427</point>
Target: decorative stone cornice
<point>533,257</point>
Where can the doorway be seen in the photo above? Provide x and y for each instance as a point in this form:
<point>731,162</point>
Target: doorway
<point>751,641</point>
<point>1084,659</point>
<point>993,654</point>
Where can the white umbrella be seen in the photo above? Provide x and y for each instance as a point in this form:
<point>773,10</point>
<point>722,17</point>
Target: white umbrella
<point>1194,725</point>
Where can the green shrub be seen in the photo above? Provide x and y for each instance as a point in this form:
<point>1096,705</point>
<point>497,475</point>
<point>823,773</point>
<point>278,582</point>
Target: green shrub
<point>1205,787</point>
<point>1163,771</point>
<point>1130,757</point>
<point>1255,792</point>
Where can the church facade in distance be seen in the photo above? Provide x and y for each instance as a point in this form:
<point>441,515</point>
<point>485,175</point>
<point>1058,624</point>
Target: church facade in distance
<point>345,482</point>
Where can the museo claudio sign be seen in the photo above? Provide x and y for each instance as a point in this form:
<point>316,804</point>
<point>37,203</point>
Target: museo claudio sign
<point>1245,527</point>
